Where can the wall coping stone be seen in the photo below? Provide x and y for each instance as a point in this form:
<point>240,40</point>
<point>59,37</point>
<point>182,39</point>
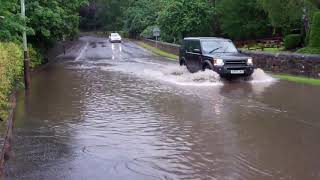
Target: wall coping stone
<point>306,57</point>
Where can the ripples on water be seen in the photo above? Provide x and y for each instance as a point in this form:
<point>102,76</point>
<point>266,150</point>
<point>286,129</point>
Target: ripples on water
<point>124,117</point>
<point>129,119</point>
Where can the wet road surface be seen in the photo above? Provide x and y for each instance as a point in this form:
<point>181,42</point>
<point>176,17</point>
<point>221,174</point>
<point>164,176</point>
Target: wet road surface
<point>115,111</point>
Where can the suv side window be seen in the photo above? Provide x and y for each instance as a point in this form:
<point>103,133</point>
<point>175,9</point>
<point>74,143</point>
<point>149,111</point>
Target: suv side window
<point>191,45</point>
<point>183,45</point>
<point>195,45</point>
<point>187,46</point>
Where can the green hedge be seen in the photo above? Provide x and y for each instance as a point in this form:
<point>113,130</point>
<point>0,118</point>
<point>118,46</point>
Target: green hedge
<point>11,69</point>
<point>292,41</point>
<point>315,31</point>
<point>36,57</point>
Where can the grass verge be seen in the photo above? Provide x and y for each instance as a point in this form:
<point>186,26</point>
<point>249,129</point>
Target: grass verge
<point>158,51</point>
<point>298,79</point>
<point>309,50</point>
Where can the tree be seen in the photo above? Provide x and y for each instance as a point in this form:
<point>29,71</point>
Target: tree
<point>53,20</point>
<point>284,15</point>
<point>315,3</point>
<point>46,20</point>
<point>104,15</point>
<point>10,22</point>
<point>242,19</point>
<point>140,14</point>
<point>180,18</point>
<point>314,42</point>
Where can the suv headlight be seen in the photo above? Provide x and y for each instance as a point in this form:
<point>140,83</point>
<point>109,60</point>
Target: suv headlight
<point>250,61</point>
<point>218,62</point>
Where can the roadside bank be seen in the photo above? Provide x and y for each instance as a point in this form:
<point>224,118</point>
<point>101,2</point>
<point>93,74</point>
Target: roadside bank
<point>6,142</point>
<point>157,51</point>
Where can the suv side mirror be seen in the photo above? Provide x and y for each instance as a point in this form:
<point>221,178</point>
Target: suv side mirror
<point>239,50</point>
<point>197,51</point>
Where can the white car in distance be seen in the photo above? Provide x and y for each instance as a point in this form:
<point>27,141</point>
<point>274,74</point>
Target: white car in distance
<point>115,37</point>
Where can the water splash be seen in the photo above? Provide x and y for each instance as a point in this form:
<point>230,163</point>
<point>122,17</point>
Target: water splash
<point>259,76</point>
<point>173,74</point>
<point>181,76</point>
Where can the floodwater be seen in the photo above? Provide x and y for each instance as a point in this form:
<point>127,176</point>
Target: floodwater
<point>115,111</point>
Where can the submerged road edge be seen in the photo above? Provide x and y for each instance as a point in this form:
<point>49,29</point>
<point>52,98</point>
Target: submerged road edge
<point>7,144</point>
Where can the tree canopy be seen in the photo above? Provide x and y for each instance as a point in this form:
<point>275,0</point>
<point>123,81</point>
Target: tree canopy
<point>237,19</point>
<point>46,20</point>
<point>180,18</point>
<point>10,22</point>
<point>252,24</point>
<point>141,14</point>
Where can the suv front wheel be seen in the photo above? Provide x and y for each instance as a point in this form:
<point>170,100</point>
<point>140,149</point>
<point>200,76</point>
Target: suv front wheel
<point>190,69</point>
<point>206,66</point>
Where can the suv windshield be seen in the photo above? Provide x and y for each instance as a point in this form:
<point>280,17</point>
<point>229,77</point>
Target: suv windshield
<point>214,46</point>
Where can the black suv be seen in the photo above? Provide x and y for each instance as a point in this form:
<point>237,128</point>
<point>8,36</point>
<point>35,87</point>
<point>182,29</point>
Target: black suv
<point>217,54</point>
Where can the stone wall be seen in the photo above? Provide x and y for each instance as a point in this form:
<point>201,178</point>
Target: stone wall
<point>286,63</point>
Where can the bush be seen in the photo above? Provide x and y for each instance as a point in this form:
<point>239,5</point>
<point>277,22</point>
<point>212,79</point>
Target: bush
<point>292,41</point>
<point>124,34</point>
<point>148,32</point>
<point>36,58</point>
<point>11,69</point>
<point>315,31</point>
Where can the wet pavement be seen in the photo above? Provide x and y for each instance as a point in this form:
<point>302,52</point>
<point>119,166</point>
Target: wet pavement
<point>115,111</point>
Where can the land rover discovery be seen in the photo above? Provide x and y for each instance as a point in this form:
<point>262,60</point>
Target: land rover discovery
<point>217,54</point>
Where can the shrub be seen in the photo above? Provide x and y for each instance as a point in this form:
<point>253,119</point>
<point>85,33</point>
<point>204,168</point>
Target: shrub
<point>148,32</point>
<point>124,34</point>
<point>315,31</point>
<point>11,68</point>
<point>36,58</point>
<point>292,41</point>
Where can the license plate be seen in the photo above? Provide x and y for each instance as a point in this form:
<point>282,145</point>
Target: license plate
<point>237,71</point>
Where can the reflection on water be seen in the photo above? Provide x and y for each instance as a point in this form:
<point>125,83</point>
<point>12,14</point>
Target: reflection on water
<point>136,116</point>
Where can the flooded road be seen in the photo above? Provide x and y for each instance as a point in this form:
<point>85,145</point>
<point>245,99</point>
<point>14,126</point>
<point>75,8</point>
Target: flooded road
<point>115,111</point>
